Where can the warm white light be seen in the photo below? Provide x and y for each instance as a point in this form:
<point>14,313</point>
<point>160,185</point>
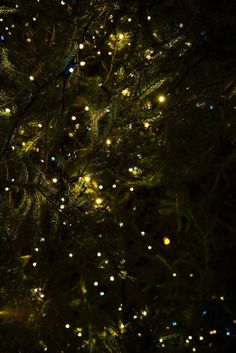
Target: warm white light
<point>81,46</point>
<point>112,278</point>
<point>82,63</point>
<point>161,99</point>
<point>31,78</point>
<point>54,180</point>
<point>98,201</point>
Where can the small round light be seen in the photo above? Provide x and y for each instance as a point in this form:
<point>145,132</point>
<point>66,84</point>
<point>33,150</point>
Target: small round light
<point>54,180</point>
<point>31,78</point>
<point>112,278</point>
<point>161,99</point>
<point>98,201</point>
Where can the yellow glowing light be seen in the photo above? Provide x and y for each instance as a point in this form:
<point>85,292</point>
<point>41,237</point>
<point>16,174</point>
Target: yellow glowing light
<point>73,118</point>
<point>146,125</point>
<point>108,142</point>
<point>112,278</point>
<point>31,78</point>
<point>160,340</point>
<point>161,99</point>
<point>82,63</point>
<point>126,92</point>
<point>166,240</point>
<point>54,180</point>
<point>174,274</point>
<point>7,110</point>
<point>67,325</point>
<point>81,46</point>
<point>99,254</point>
<point>201,338</point>
<point>98,201</point>
<point>87,179</point>
<point>121,36</point>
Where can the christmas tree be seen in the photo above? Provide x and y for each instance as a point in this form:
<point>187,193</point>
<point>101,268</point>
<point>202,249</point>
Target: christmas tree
<point>117,176</point>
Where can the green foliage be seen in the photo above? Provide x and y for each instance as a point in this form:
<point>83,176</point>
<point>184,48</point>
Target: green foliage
<point>95,172</point>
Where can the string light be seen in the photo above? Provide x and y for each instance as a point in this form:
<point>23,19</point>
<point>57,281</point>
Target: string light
<point>98,201</point>
<point>161,99</point>
<point>166,240</point>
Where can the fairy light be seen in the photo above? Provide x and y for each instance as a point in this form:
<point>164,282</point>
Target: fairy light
<point>87,179</point>
<point>112,278</point>
<point>31,78</point>
<point>34,264</point>
<point>161,98</point>
<point>54,180</point>
<point>82,63</point>
<point>108,142</point>
<point>70,254</point>
<point>121,36</point>
<point>8,110</point>
<point>81,46</point>
<point>131,189</point>
<point>95,284</point>
<point>67,325</point>
<point>73,118</point>
<point>174,274</point>
<point>99,254</point>
<point>100,187</point>
<point>166,240</point>
<point>86,108</point>
<point>98,201</point>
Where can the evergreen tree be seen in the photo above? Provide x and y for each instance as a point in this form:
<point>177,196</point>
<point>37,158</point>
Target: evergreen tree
<point>117,176</point>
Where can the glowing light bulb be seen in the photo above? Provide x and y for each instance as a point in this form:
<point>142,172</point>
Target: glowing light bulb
<point>98,201</point>
<point>54,180</point>
<point>87,179</point>
<point>31,78</point>
<point>99,254</point>
<point>161,99</point>
<point>121,36</point>
<point>86,108</point>
<point>7,110</point>
<point>34,264</point>
<point>112,278</point>
<point>108,142</point>
<point>70,254</point>
<point>73,118</point>
<point>82,63</point>
<point>67,325</point>
<point>95,284</point>
<point>81,46</point>
<point>166,240</point>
